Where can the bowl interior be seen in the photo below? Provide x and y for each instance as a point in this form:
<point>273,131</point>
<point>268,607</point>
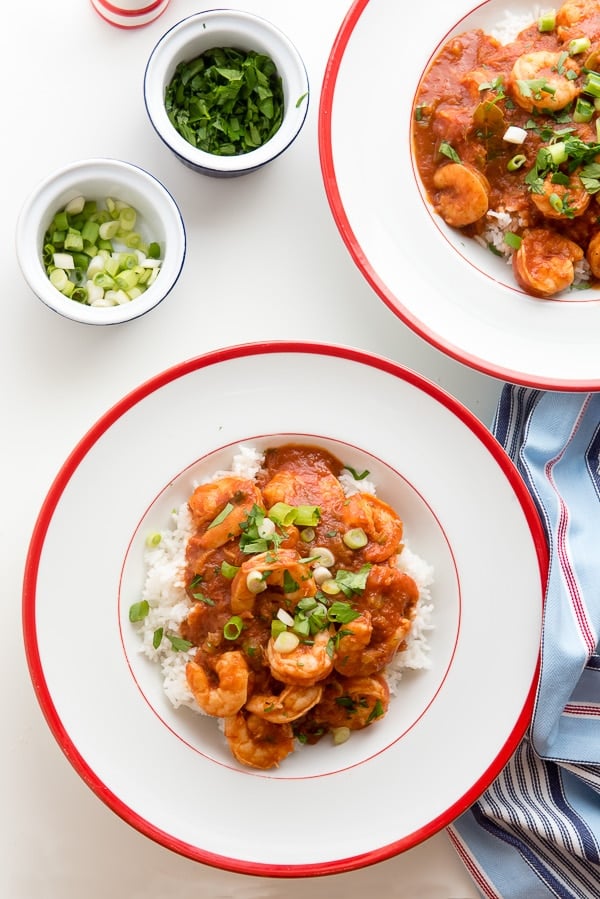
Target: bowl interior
<point>158,220</point>
<point>222,28</point>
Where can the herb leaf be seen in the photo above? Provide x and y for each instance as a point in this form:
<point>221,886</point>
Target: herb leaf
<point>139,610</point>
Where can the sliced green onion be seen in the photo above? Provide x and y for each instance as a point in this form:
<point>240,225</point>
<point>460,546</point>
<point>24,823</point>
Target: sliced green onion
<point>233,627</point>
<point>229,571</point>
<point>286,642</point>
<point>85,241</point>
<point>556,203</point>
<point>307,516</point>
<point>307,535</point>
<point>516,162</point>
<point>591,84</point>
<point>255,582</point>
<point>512,240</point>
<point>285,617</point>
<point>584,111</point>
<point>547,20</point>
<point>331,587</point>
<point>277,627</point>
<point>355,538</point>
<point>323,555</point>
<point>59,278</point>
<point>282,514</point>
<point>579,45</point>
<point>340,735</point>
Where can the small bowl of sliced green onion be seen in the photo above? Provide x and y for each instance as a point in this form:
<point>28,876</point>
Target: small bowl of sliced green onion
<point>101,241</point>
<point>226,91</point>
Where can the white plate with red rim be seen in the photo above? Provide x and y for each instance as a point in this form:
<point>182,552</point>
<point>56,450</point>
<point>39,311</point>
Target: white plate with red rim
<point>166,771</point>
<point>455,294</point>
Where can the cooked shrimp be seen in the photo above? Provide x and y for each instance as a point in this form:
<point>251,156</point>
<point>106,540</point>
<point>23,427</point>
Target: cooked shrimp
<point>230,497</point>
<point>256,742</point>
<point>225,693</point>
<point>593,254</point>
<point>287,706</point>
<point>462,194</point>
<point>544,263</point>
<point>352,641</point>
<point>387,608</point>
<point>562,201</point>
<point>305,665</point>
<point>353,702</point>
<point>282,570</point>
<point>572,11</point>
<point>380,523</point>
<point>543,81</point>
<point>319,488</point>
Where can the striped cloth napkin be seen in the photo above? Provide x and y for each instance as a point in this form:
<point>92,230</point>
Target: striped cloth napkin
<point>535,833</point>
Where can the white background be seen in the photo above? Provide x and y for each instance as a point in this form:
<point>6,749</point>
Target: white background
<point>265,261</point>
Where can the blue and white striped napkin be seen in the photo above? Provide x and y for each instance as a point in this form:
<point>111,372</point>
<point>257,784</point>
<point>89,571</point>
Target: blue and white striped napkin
<point>535,833</point>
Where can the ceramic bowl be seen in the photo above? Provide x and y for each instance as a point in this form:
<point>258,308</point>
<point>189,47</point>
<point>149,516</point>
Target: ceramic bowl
<point>158,220</point>
<point>225,28</point>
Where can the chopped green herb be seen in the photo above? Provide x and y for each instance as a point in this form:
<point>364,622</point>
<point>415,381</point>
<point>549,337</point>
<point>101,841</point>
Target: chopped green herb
<point>376,711</point>
<point>226,101</point>
<point>352,582</point>
<point>178,643</point>
<point>342,612</point>
<point>448,150</point>
<point>139,610</point>
<point>157,637</point>
<point>358,476</point>
<point>221,516</point>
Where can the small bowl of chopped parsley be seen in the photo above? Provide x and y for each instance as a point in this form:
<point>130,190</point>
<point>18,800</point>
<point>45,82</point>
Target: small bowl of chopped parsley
<point>226,91</point>
<point>101,241</point>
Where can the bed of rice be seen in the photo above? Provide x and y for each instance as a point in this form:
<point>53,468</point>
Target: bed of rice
<point>164,590</point>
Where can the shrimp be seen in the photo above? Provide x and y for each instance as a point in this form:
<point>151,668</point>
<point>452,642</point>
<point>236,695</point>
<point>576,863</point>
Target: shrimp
<point>232,498</point>
<point>287,706</point>
<point>386,611</point>
<point>320,488</point>
<point>305,665</point>
<point>543,81</point>
<point>282,569</point>
<point>353,702</point>
<point>562,201</point>
<point>462,195</point>
<point>571,12</point>
<point>593,254</point>
<point>380,523</point>
<point>544,263</point>
<point>258,743</point>
<point>228,695</point>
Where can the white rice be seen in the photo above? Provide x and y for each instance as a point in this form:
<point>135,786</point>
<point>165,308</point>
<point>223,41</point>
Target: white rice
<point>511,24</point>
<point>164,590</point>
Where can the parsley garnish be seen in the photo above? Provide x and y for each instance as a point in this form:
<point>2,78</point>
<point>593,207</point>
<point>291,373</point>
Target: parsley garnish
<point>352,582</point>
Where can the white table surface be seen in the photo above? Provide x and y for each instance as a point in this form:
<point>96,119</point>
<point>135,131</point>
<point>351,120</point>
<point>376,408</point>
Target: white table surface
<point>268,247</point>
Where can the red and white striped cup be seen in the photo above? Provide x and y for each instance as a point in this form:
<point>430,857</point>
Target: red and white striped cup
<point>129,13</point>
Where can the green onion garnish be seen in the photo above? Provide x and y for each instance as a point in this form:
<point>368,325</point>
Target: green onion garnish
<point>233,628</point>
